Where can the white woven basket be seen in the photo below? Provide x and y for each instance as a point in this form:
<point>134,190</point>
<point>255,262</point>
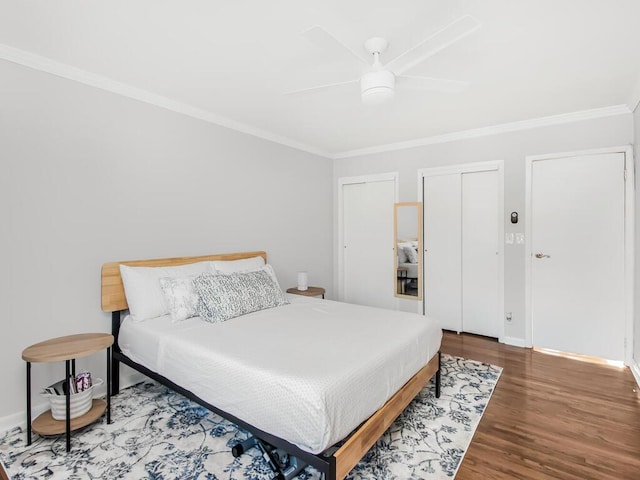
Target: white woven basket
<point>80,402</point>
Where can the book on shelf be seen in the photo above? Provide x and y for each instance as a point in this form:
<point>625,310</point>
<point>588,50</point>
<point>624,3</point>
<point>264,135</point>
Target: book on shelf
<point>76,384</point>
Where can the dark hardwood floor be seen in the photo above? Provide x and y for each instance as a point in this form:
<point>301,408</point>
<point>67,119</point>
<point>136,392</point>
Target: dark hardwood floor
<point>551,417</point>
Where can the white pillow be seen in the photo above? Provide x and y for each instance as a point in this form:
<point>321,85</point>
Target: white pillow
<point>402,256</point>
<point>411,253</point>
<point>239,268</point>
<point>243,265</point>
<point>143,291</point>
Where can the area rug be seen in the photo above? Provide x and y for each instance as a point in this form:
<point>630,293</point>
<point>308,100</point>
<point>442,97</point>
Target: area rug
<point>158,434</point>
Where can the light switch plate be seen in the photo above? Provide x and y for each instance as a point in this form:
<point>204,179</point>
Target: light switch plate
<point>508,238</point>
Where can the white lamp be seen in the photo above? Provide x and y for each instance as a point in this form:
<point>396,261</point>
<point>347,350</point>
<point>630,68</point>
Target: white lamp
<point>303,281</point>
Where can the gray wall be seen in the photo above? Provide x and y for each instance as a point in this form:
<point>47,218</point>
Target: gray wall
<point>90,177</point>
<point>511,147</point>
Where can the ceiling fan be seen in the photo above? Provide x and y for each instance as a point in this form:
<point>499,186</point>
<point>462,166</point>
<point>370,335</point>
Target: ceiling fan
<point>378,80</point>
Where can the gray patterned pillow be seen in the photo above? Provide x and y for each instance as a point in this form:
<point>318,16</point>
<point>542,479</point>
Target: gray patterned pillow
<point>181,297</point>
<point>227,296</point>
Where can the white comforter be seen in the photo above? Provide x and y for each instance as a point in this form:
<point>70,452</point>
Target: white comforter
<point>309,372</point>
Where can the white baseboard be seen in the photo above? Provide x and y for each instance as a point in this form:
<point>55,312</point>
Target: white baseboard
<point>635,369</point>
<point>513,341</point>
<point>19,419</point>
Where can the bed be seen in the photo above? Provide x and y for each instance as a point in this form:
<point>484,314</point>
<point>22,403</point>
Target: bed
<point>261,372</point>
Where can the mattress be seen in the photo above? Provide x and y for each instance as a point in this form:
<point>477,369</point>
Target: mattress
<point>309,372</point>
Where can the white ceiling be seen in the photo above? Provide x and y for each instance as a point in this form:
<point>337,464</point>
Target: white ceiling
<point>235,59</point>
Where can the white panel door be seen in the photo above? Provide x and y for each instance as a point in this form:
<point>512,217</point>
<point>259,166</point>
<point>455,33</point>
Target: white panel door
<point>368,269</point>
<point>577,264</point>
<point>354,226</point>
<point>480,253</point>
<point>443,243</point>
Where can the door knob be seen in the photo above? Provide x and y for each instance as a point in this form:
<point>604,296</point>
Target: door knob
<point>542,255</point>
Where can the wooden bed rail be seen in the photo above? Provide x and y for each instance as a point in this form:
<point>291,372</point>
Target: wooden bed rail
<point>349,454</point>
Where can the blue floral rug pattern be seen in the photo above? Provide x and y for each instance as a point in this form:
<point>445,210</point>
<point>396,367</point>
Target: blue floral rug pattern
<point>158,434</point>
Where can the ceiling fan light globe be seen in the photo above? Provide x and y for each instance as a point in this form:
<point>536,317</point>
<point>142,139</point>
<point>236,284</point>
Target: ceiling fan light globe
<point>377,87</point>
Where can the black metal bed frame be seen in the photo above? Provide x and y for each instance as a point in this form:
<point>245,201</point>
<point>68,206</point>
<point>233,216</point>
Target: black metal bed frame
<point>324,462</point>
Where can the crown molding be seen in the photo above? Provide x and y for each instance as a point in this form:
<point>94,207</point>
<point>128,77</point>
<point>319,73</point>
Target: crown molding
<point>492,130</point>
<point>53,67</point>
<point>69,72</point>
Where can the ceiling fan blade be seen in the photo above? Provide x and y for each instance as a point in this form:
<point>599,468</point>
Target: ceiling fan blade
<point>320,37</point>
<point>319,88</point>
<point>433,84</point>
<point>438,41</point>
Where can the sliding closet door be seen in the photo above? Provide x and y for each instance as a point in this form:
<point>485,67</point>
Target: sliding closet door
<point>462,257</point>
<point>480,253</point>
<point>367,262</point>
<point>354,230</point>
<point>443,243</point>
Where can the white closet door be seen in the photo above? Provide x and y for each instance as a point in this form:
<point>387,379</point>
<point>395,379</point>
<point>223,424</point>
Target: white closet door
<point>442,242</point>
<point>368,269</point>
<point>354,228</point>
<point>480,253</point>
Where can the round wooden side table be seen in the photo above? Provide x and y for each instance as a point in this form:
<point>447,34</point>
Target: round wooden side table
<point>67,349</point>
<point>309,292</point>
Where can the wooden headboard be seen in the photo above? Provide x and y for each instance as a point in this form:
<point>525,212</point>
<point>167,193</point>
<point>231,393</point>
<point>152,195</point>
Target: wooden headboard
<point>113,298</point>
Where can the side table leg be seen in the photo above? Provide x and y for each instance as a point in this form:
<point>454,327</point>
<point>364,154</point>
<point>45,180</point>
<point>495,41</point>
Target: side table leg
<point>68,419</point>
<point>109,373</point>
<point>28,403</point>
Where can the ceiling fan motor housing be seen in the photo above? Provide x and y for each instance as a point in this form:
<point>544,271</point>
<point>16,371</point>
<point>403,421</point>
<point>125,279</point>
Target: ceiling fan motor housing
<point>377,86</point>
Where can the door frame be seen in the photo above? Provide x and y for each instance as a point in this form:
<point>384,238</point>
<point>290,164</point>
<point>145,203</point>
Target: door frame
<point>494,165</point>
<point>629,247</point>
<point>342,181</point>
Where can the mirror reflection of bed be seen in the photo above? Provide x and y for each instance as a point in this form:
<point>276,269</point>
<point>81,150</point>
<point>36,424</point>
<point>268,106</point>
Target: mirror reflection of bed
<point>408,267</point>
<point>408,247</point>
